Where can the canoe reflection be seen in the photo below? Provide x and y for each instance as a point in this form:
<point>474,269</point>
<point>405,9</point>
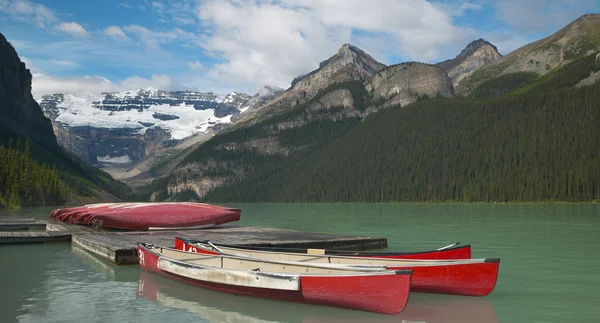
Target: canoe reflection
<point>221,307</point>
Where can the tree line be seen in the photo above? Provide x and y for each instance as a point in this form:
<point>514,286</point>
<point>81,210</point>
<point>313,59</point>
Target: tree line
<point>25,182</point>
<point>538,141</point>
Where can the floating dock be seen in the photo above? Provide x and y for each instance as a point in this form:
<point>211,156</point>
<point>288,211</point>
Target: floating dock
<point>120,247</point>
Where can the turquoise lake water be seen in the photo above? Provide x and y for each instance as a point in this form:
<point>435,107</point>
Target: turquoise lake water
<point>549,270</point>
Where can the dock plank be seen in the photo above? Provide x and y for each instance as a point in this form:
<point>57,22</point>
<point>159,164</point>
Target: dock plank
<point>12,237</point>
<point>13,224</point>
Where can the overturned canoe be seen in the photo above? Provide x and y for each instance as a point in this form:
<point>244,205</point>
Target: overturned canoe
<point>147,216</point>
<point>373,290</point>
<point>453,251</point>
<point>469,277</point>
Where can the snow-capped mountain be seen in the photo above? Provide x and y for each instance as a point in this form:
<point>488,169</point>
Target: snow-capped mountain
<point>128,126</point>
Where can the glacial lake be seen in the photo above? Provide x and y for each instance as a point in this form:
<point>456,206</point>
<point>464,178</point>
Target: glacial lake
<point>549,270</point>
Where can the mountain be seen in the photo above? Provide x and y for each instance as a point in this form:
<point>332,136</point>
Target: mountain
<point>19,113</point>
<point>520,136</point>
<point>404,83</point>
<point>117,130</point>
<point>540,145</point>
<point>350,63</point>
<point>578,39</point>
<point>302,119</point>
<point>477,54</point>
<point>265,95</point>
<point>27,133</point>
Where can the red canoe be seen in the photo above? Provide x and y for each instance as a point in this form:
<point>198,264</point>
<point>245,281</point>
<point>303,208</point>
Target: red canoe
<point>379,291</point>
<point>220,307</point>
<point>453,251</point>
<point>147,216</point>
<point>469,277</point>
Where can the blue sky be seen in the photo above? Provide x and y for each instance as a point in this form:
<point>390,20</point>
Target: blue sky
<point>85,47</point>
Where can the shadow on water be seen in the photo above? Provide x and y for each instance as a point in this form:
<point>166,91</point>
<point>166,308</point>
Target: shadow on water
<point>220,307</point>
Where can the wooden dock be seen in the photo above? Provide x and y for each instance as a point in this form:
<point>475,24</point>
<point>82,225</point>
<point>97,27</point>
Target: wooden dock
<point>12,224</point>
<point>120,247</point>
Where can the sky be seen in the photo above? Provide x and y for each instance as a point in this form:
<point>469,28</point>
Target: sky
<point>93,46</point>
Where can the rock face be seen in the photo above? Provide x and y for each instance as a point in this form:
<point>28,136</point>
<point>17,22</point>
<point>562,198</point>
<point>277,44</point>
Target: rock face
<point>594,76</point>
<point>477,54</point>
<point>127,127</point>
<point>19,112</point>
<point>404,83</point>
<point>266,94</point>
<point>348,64</point>
<point>572,42</point>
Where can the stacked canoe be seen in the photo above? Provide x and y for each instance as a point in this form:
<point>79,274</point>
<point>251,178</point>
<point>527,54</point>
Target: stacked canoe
<point>147,216</point>
<point>373,282</point>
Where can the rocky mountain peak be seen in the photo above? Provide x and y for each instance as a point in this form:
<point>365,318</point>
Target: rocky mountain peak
<point>473,46</point>
<point>19,112</point>
<point>349,63</point>
<point>475,55</point>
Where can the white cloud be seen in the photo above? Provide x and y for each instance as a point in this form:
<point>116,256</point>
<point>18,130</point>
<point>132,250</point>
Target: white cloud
<point>63,64</point>
<point>271,42</point>
<point>196,65</point>
<point>152,38</point>
<point>458,8</point>
<point>160,7</point>
<point>536,16</point>
<point>26,11</point>
<point>162,82</point>
<point>79,86</point>
<point>183,21</point>
<point>115,32</point>
<point>72,28</point>
<point>124,5</point>
<point>93,85</point>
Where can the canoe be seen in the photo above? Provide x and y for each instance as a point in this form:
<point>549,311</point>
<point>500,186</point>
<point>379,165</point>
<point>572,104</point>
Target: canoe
<point>220,307</point>
<point>147,216</point>
<point>372,290</point>
<point>453,251</point>
<point>469,277</point>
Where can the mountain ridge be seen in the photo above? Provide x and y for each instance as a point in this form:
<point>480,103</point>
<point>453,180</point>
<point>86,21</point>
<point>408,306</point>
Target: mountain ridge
<point>577,39</point>
<point>475,55</point>
<point>283,128</point>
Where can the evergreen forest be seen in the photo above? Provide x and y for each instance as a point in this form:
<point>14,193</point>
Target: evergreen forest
<point>530,139</point>
<point>25,182</point>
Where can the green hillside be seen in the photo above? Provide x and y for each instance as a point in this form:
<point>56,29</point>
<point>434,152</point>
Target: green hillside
<point>536,141</point>
<point>78,182</point>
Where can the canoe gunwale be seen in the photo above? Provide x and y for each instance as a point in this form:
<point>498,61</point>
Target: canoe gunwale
<point>348,260</point>
<point>332,252</point>
<point>355,270</point>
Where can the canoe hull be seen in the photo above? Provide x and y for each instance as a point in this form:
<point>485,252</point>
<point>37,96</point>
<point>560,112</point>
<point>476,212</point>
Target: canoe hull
<point>477,279</point>
<point>446,277</point>
<point>147,216</point>
<point>385,294</point>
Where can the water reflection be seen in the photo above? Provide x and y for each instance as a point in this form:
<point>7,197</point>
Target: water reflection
<point>221,307</point>
<point>111,271</point>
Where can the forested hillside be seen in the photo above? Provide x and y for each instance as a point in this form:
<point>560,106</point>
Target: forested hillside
<point>24,182</point>
<point>536,142</point>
